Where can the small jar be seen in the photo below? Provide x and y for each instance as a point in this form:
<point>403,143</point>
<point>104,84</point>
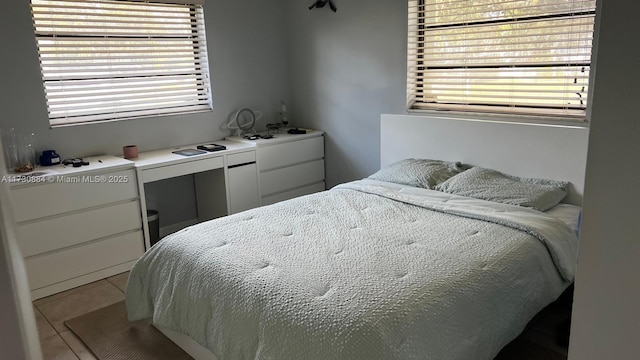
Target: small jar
<point>49,158</point>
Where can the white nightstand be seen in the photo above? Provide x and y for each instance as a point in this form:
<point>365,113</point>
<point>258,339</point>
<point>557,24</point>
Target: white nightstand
<point>289,165</point>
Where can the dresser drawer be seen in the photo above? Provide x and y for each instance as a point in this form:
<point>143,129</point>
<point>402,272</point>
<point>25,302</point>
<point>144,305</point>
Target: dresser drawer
<point>60,232</point>
<point>51,268</point>
<point>73,193</point>
<point>285,154</point>
<point>291,177</point>
<point>292,194</point>
<point>241,158</point>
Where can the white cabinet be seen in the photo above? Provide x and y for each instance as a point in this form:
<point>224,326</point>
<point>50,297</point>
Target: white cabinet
<point>243,187</point>
<point>289,165</point>
<point>242,181</point>
<point>78,226</point>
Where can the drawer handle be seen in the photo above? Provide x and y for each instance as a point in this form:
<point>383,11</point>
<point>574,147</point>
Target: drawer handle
<point>238,165</point>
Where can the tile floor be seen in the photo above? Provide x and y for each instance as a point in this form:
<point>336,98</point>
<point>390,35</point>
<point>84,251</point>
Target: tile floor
<point>58,343</point>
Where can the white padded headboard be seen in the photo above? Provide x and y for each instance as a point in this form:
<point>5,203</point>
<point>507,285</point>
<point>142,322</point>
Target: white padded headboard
<point>530,150</point>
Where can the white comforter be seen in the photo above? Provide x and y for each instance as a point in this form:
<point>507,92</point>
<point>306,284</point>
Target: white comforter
<point>363,271</point>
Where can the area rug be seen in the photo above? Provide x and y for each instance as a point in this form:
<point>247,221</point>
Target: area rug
<point>110,336</point>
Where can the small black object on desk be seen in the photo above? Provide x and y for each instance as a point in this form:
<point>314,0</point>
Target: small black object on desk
<point>297,131</point>
<point>211,147</point>
<point>77,162</point>
<point>257,136</point>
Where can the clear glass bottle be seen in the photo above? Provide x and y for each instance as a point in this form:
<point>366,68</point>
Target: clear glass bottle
<point>283,114</point>
<point>10,139</point>
<point>20,151</point>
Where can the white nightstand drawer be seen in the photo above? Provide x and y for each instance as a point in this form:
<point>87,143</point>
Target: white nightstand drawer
<point>291,177</point>
<point>72,193</point>
<point>60,232</point>
<point>294,152</point>
<point>293,193</point>
<point>54,267</point>
<point>241,158</point>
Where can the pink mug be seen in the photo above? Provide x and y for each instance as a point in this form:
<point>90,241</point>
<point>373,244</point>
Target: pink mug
<point>130,151</point>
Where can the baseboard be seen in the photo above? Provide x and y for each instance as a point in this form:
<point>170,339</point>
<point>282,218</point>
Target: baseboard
<point>81,280</point>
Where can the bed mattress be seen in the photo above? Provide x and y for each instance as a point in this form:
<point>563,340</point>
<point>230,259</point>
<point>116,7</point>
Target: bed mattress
<point>367,270</point>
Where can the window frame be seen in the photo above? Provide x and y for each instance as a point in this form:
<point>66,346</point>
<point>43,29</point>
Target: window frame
<point>144,80</point>
<point>502,112</point>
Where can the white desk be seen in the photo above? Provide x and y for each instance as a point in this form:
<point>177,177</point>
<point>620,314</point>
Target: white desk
<point>249,173</point>
<point>226,181</point>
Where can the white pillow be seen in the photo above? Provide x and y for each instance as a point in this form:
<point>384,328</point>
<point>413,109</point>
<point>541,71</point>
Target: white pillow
<point>569,214</point>
<point>425,173</point>
<point>492,185</point>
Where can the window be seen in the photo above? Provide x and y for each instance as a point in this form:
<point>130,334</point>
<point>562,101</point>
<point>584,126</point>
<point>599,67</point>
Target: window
<point>527,57</point>
<point>108,59</point>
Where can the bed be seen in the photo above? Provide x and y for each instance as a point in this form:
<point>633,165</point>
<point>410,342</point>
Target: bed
<point>371,269</point>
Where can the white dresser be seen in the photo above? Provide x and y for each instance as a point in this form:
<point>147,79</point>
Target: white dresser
<point>79,224</point>
<point>289,165</point>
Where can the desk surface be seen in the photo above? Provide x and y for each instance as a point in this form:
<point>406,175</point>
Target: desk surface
<point>159,158</point>
<point>165,157</point>
<point>278,138</point>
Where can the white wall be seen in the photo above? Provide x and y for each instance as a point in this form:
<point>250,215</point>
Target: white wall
<point>347,68</point>
<point>606,315</point>
<point>248,65</point>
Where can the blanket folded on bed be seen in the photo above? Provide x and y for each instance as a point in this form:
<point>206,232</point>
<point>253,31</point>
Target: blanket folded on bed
<point>367,270</point>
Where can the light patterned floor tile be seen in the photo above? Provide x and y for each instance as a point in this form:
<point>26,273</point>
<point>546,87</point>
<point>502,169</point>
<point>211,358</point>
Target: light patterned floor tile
<point>120,281</point>
<point>54,348</point>
<point>45,329</point>
<point>78,347</point>
<point>79,303</point>
<point>58,296</point>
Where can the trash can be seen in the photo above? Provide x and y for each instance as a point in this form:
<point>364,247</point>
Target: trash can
<point>153,220</point>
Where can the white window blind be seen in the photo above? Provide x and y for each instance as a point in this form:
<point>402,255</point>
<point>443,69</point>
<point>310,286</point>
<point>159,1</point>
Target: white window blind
<point>110,59</point>
<point>504,56</point>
